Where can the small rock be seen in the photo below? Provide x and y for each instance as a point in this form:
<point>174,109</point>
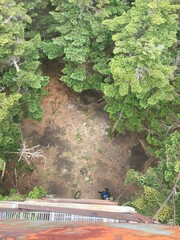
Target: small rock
<point>77,195</point>
<point>74,185</point>
<point>65,170</point>
<point>87,179</point>
<point>51,196</point>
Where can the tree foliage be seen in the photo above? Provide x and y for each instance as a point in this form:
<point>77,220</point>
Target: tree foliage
<point>126,49</point>
<point>82,41</point>
<point>142,69</point>
<point>21,82</point>
<point>144,95</point>
<point>36,193</point>
<point>158,182</point>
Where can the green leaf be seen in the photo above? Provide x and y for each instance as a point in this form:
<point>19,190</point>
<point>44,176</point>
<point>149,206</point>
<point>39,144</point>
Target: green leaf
<point>79,74</point>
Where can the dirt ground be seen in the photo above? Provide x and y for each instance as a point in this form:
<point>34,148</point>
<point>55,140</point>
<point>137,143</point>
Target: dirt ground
<point>81,158</point>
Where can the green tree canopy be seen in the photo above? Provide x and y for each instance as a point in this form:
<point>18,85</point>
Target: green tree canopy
<point>126,49</point>
<point>21,82</point>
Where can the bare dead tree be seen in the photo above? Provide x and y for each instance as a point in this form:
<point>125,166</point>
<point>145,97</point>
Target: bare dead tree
<point>28,154</point>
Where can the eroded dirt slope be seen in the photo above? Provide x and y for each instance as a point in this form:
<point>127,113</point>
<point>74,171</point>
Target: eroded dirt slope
<point>81,157</point>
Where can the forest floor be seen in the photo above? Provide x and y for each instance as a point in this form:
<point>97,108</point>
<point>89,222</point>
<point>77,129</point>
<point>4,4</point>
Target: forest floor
<point>81,157</point>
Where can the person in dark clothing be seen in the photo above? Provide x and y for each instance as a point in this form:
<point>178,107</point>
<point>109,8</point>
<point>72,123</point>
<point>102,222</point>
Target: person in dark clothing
<point>105,194</point>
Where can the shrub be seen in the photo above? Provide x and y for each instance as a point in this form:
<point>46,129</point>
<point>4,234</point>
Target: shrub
<point>37,192</point>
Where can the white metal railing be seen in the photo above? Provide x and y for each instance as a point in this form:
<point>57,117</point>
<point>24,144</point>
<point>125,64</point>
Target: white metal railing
<point>54,216</point>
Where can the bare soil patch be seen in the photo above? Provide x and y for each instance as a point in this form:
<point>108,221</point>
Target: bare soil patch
<point>81,156</point>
